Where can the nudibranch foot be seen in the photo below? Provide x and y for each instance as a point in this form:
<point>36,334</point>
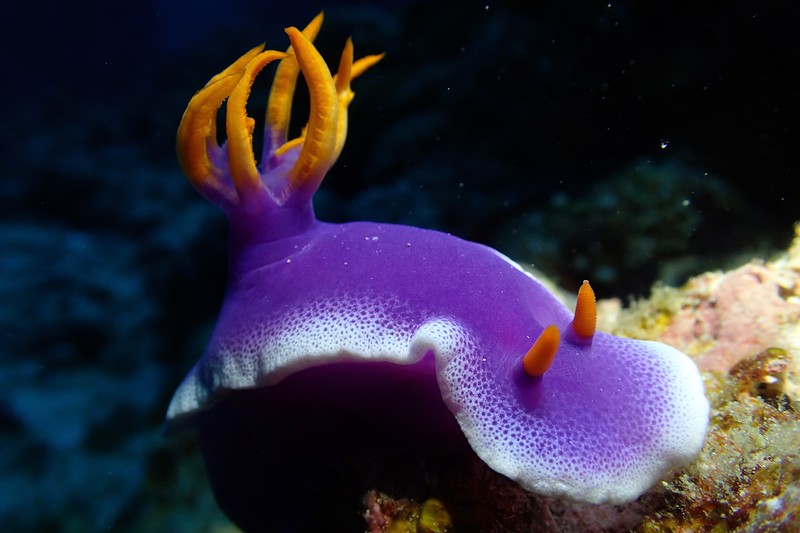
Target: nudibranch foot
<point>313,444</point>
<point>335,335</point>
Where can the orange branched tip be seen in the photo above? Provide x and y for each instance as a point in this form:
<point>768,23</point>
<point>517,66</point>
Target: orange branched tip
<point>279,106</point>
<point>539,358</point>
<point>585,321</point>
<point>319,145</point>
<point>239,128</point>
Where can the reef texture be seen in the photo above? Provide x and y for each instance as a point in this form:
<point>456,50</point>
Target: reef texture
<point>743,329</point>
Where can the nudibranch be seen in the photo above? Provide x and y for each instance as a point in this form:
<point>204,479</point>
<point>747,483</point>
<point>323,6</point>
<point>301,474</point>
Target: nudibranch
<point>335,335</point>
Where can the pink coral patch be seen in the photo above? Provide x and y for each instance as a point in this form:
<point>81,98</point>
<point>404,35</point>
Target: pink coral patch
<point>731,316</point>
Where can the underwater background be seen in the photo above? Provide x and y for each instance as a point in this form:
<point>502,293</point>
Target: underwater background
<point>627,143</point>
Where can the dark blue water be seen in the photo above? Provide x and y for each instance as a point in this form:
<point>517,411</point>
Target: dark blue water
<point>623,143</point>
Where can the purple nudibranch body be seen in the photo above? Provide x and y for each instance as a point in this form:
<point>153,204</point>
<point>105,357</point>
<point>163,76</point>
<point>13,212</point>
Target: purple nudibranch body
<point>607,419</point>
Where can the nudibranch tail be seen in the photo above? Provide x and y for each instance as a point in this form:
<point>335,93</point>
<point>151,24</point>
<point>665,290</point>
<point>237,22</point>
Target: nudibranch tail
<point>290,170</point>
<point>539,358</point>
